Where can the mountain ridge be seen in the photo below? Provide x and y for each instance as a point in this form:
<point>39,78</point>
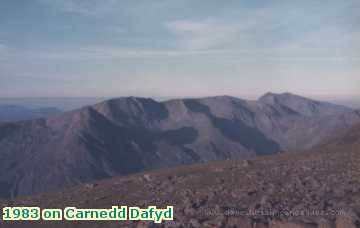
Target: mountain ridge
<point>129,135</point>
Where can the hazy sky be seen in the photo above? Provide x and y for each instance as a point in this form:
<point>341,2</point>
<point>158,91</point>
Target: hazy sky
<point>175,48</point>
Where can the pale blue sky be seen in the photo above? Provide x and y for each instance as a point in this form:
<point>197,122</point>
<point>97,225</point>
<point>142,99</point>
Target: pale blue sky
<point>170,48</point>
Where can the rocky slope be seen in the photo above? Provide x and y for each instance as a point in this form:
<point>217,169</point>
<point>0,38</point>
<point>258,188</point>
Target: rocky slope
<point>315,189</point>
<point>129,135</point>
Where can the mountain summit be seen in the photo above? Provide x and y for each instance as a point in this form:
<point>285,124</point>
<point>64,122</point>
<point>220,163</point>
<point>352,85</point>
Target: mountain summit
<point>302,105</point>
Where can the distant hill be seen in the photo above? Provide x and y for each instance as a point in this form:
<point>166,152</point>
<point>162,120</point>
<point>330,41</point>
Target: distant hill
<point>9,113</point>
<point>62,103</point>
<point>129,135</point>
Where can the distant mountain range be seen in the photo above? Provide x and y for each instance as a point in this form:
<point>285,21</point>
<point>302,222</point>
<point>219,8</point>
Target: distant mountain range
<point>129,135</point>
<point>61,103</point>
<point>10,113</point>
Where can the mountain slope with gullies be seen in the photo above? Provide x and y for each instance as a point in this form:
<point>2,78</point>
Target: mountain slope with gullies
<point>319,188</point>
<point>130,135</point>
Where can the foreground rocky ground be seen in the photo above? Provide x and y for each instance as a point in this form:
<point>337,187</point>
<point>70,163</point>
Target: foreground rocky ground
<point>309,190</point>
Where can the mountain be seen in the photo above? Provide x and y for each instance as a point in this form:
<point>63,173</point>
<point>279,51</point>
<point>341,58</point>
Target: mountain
<point>299,123</point>
<point>351,137</point>
<point>302,105</point>
<point>9,113</point>
<point>129,135</point>
<point>319,188</point>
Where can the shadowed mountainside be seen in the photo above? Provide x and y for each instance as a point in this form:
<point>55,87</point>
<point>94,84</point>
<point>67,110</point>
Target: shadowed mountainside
<point>129,135</point>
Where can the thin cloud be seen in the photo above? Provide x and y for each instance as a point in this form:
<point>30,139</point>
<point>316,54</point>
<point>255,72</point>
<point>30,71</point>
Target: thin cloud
<point>85,7</point>
<point>3,52</point>
<point>2,46</point>
<point>204,34</point>
<point>94,53</point>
